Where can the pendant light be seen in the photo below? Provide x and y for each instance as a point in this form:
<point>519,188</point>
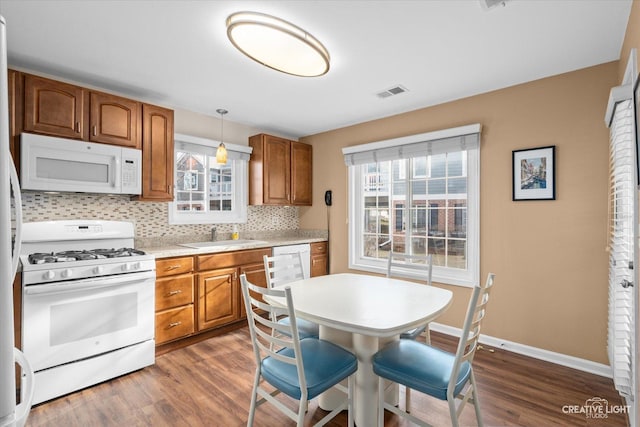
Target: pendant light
<point>221,153</point>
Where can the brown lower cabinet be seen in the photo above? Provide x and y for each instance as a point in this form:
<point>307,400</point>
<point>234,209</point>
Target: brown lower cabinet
<point>174,298</point>
<point>319,259</point>
<point>199,293</point>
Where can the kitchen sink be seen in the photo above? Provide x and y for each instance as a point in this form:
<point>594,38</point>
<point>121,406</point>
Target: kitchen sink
<point>219,243</point>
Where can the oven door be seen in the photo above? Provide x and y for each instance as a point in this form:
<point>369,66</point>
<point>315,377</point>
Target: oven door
<point>67,321</point>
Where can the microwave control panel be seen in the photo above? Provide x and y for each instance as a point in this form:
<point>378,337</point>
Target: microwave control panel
<point>131,175</point>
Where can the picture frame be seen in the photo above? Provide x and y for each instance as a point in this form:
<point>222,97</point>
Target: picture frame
<point>534,174</point>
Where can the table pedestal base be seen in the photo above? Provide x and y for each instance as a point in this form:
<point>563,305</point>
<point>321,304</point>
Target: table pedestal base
<point>366,389</point>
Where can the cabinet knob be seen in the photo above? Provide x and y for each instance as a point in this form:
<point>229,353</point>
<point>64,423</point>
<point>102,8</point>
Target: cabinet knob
<point>174,324</point>
<point>176,292</point>
<point>173,267</point>
<point>95,130</point>
<point>77,127</point>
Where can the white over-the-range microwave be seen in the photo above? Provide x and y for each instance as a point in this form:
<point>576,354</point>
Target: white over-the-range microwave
<point>57,164</point>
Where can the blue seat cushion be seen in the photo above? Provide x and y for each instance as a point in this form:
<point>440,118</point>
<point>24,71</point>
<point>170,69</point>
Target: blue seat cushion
<point>306,329</point>
<point>420,367</point>
<point>413,333</point>
<point>325,364</point>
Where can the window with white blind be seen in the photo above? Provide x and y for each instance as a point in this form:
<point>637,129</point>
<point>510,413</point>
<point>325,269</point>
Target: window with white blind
<point>417,195</point>
<point>622,218</point>
<point>206,192</point>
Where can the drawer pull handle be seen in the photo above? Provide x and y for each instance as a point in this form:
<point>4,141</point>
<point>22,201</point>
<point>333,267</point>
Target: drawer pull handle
<point>174,324</point>
<point>95,130</point>
<point>176,292</point>
<point>173,267</point>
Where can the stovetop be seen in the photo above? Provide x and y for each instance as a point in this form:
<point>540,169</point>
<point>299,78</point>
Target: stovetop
<point>81,255</point>
<point>79,249</point>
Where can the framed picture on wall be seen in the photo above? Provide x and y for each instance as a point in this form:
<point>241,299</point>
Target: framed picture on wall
<point>534,174</point>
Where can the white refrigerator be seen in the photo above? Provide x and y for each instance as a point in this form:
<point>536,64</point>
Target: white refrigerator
<point>12,413</point>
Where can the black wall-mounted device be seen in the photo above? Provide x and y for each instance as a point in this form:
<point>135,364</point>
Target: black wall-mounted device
<point>327,197</point>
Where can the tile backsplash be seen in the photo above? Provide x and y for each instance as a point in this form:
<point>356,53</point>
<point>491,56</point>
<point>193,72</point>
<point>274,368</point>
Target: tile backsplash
<point>150,218</point>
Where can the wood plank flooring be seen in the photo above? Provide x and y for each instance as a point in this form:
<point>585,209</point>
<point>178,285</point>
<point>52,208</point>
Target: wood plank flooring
<point>209,384</point>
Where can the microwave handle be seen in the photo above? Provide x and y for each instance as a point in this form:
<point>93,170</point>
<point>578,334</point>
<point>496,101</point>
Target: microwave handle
<point>118,173</point>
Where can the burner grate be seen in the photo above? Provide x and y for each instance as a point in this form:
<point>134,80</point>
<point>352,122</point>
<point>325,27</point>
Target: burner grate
<point>70,256</point>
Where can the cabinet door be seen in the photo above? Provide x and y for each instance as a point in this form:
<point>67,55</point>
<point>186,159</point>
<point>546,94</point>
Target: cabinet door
<point>217,298</point>
<point>319,258</point>
<point>255,274</point>
<point>54,108</point>
<point>276,171</point>
<point>301,173</point>
<point>157,153</point>
<point>114,120</point>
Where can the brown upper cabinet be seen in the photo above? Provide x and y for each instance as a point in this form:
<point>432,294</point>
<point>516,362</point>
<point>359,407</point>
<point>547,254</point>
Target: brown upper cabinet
<point>280,171</point>
<point>54,108</point>
<point>69,111</point>
<point>49,107</point>
<point>157,153</point>
<point>114,120</point>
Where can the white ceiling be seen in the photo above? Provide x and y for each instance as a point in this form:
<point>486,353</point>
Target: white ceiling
<point>176,53</point>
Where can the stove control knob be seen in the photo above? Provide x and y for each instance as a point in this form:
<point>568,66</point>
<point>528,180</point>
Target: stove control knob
<point>49,275</point>
<point>136,266</point>
<point>98,270</point>
<point>125,267</point>
<point>67,273</point>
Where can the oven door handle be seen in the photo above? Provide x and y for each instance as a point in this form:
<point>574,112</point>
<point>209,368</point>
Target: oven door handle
<point>89,284</point>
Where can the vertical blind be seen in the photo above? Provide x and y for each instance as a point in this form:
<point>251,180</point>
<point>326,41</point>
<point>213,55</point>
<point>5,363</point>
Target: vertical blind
<point>622,219</point>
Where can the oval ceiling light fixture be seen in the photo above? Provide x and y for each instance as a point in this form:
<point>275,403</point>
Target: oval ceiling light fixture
<point>277,44</point>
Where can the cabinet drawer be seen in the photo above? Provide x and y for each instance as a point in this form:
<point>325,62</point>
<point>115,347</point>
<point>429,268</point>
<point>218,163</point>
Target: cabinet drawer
<point>173,266</point>
<point>232,259</point>
<point>174,291</point>
<point>174,323</point>
<point>319,248</point>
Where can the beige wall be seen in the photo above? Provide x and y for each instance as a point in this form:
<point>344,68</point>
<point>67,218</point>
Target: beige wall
<point>549,257</point>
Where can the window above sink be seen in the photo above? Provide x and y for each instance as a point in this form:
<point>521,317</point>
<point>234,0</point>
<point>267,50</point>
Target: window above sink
<point>207,192</point>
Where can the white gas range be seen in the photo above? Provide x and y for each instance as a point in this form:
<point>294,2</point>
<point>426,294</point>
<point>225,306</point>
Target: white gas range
<point>88,303</point>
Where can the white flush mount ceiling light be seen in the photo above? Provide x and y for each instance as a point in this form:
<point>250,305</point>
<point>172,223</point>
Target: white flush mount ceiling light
<point>277,44</point>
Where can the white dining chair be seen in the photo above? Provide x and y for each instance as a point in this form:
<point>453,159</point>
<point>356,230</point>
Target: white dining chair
<point>435,372</point>
<point>299,368</point>
<point>414,266</point>
<point>282,269</point>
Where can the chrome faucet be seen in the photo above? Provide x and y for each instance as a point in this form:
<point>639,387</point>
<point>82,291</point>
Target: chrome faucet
<point>214,234</point>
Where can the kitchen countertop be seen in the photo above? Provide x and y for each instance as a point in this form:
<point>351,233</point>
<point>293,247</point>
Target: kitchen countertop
<point>173,250</point>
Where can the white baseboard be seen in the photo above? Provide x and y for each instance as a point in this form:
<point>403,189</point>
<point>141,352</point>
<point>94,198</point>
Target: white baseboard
<point>536,353</point>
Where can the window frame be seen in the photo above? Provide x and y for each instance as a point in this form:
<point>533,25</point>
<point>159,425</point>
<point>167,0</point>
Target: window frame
<point>357,261</point>
<point>239,183</point>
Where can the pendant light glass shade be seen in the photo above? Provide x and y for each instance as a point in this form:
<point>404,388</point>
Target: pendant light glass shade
<point>277,44</point>
<point>221,152</point>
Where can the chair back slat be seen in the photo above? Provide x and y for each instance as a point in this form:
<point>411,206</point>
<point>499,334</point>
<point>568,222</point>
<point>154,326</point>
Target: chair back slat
<point>471,330</point>
<point>402,265</point>
<point>281,269</point>
<point>265,342</point>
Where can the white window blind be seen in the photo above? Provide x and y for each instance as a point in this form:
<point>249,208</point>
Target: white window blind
<point>431,143</point>
<point>621,246</point>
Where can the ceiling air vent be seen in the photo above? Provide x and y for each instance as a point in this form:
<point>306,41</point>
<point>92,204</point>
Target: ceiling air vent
<point>396,90</point>
<point>490,4</point>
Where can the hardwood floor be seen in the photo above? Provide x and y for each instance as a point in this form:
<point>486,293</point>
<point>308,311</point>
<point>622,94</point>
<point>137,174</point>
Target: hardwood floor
<point>209,384</point>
